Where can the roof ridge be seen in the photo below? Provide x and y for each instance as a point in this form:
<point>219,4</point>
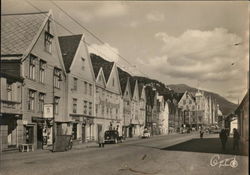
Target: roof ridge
<point>30,13</point>
<point>70,35</point>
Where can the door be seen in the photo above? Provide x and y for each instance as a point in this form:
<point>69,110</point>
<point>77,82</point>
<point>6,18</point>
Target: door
<point>39,136</point>
<point>83,134</point>
<point>29,134</point>
<point>99,131</point>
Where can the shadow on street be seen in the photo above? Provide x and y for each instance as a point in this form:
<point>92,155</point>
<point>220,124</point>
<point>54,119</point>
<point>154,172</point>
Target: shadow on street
<point>205,145</point>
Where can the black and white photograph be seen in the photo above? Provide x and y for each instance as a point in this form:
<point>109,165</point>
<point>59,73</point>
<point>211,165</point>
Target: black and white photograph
<point>124,87</point>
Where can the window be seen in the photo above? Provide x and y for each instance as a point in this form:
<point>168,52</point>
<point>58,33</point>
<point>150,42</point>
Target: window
<point>31,102</point>
<point>9,91</point>
<point>85,87</point>
<point>74,83</point>
<point>90,89</point>
<point>56,104</point>
<point>85,107</point>
<point>74,105</point>
<point>90,108</point>
<point>41,102</point>
<point>48,38</point>
<point>57,77</point>
<point>42,65</point>
<point>190,101</point>
<point>102,109</point>
<point>32,67</point>
<point>113,82</point>
<point>83,63</point>
<point>96,109</point>
<point>184,102</point>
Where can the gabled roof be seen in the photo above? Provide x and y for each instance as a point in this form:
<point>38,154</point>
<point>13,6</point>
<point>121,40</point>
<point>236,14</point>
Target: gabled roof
<point>99,62</point>
<point>69,45</point>
<point>123,76</point>
<point>19,30</point>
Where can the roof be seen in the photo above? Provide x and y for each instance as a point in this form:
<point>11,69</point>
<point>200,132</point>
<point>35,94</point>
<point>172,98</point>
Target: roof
<point>68,46</point>
<point>244,101</point>
<point>18,31</point>
<point>123,76</point>
<point>99,62</point>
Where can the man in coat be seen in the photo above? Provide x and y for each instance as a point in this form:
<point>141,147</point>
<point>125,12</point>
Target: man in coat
<point>223,138</point>
<point>101,139</point>
<point>236,139</point>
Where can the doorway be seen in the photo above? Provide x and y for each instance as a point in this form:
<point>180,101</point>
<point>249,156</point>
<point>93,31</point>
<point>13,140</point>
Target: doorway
<point>40,136</point>
<point>29,133</point>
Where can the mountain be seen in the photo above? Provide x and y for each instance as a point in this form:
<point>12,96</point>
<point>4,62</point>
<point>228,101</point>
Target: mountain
<point>226,106</point>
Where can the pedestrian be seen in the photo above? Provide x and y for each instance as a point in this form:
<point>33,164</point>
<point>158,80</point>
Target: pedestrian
<point>201,133</point>
<point>223,138</point>
<point>101,139</point>
<point>236,139</point>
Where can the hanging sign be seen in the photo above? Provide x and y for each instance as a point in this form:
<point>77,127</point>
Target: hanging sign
<point>48,111</point>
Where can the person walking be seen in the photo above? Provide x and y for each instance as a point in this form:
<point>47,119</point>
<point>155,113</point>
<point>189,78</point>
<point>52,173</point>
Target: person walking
<point>101,139</point>
<point>223,138</point>
<point>236,139</point>
<point>201,133</point>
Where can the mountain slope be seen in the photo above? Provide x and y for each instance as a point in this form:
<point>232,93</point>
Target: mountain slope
<point>226,106</point>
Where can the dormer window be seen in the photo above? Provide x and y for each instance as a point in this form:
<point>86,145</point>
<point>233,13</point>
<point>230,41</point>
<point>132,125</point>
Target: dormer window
<point>113,82</point>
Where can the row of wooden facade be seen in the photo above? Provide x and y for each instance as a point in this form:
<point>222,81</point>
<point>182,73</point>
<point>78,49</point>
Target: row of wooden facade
<point>51,85</point>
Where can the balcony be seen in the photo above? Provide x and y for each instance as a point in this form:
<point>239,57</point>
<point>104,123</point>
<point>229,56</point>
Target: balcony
<point>11,107</point>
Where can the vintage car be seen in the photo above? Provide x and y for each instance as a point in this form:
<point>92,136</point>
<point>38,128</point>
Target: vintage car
<point>112,136</point>
<point>146,134</point>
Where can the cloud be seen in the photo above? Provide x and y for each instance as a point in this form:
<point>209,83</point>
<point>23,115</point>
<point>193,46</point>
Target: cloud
<point>155,16</point>
<point>201,55</point>
<point>105,50</point>
<point>111,9</point>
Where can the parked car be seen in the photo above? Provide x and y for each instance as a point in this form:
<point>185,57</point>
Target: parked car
<point>214,130</point>
<point>112,136</point>
<point>146,134</point>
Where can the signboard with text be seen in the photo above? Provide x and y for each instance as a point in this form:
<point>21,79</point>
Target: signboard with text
<point>48,111</point>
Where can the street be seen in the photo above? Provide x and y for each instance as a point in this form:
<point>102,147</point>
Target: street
<point>160,155</point>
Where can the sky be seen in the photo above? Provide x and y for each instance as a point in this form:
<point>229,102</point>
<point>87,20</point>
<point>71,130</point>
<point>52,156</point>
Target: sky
<point>204,44</point>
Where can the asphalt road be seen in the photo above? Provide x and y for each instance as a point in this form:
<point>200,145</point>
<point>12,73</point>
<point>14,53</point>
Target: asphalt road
<point>162,155</point>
